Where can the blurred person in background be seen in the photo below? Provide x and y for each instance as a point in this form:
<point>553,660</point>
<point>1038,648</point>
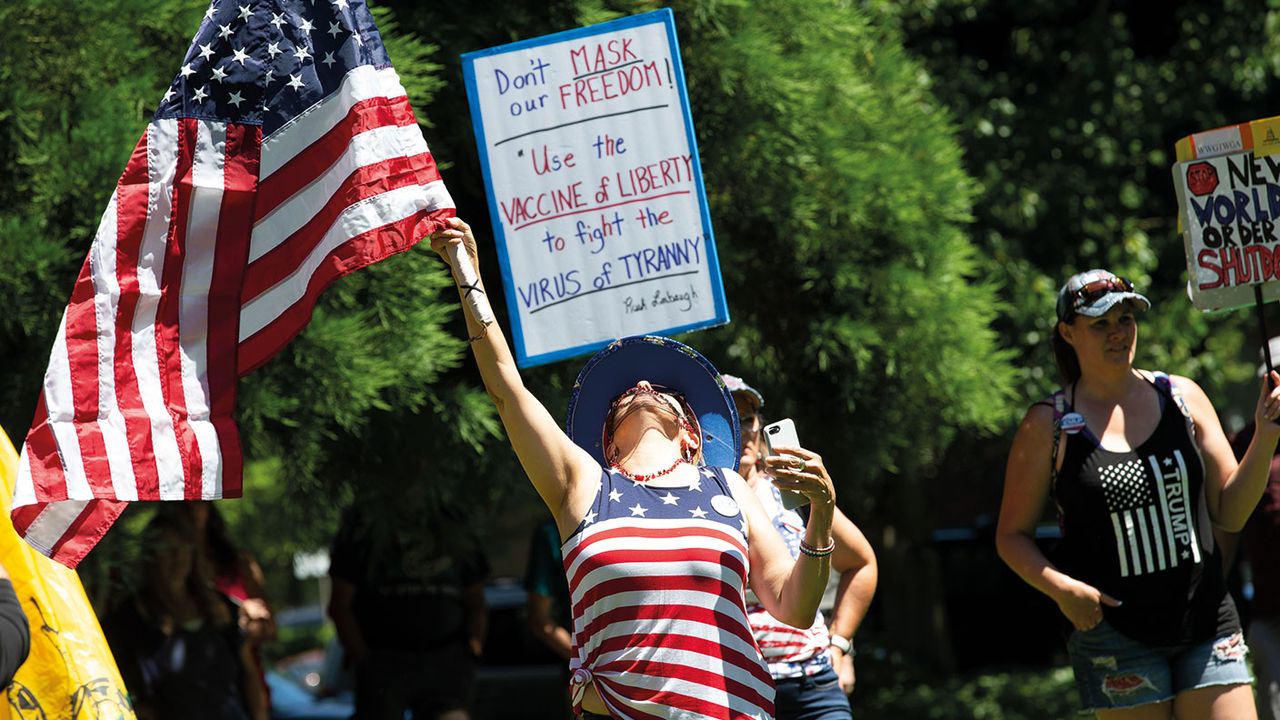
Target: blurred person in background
<point>410,613</point>
<point>237,575</point>
<point>812,667</point>
<point>15,632</point>
<point>548,605</point>
<point>1261,542</point>
<point>179,647</point>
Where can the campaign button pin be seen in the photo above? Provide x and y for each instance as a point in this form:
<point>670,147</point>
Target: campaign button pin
<point>724,505</point>
<point>1072,422</point>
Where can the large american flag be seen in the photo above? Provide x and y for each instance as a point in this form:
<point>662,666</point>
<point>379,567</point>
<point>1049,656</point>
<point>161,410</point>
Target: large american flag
<point>283,156</point>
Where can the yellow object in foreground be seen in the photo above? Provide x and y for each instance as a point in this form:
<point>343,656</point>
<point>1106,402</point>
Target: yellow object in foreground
<point>70,672</point>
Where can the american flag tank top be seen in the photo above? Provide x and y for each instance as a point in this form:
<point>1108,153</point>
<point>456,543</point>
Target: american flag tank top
<point>657,578</point>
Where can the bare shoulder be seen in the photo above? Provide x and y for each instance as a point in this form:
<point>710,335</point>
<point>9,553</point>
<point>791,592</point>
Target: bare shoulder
<point>736,482</point>
<point>1034,439</point>
<point>1038,420</point>
<point>1190,390</point>
<point>1185,384</point>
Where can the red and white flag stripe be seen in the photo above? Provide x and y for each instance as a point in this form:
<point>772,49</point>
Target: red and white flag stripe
<point>343,185</point>
<point>209,258</point>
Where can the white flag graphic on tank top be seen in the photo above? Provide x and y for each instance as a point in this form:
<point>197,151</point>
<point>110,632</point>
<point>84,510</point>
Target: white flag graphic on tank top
<point>1150,513</point>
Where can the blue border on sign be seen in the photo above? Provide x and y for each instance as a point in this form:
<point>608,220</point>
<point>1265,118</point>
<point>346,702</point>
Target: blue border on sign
<point>665,16</point>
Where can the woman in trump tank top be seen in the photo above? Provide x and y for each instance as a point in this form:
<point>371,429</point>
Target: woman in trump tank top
<point>1142,472</point>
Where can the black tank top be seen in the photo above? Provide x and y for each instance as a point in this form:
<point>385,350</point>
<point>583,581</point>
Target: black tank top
<point>1136,526</point>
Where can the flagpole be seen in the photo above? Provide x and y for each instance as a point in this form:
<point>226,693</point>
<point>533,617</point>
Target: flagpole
<point>1262,327</point>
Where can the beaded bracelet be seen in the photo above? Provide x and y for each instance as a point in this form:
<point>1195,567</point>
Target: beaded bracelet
<point>821,552</point>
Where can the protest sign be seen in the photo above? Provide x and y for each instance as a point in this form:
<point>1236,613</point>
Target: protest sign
<point>1228,185</point>
<point>594,184</point>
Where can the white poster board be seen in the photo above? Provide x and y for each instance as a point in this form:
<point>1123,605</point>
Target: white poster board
<point>1229,209</point>
<point>594,184</point>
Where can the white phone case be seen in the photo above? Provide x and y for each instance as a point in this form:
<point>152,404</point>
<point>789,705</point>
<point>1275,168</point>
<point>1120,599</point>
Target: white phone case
<point>783,433</point>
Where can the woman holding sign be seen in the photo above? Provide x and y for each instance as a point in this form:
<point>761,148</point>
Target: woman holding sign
<point>1141,473</point>
<point>660,536</point>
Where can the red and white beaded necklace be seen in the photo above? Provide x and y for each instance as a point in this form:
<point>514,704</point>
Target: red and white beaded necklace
<point>646,478</point>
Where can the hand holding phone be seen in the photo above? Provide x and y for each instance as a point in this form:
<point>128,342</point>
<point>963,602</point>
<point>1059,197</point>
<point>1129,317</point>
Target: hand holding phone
<point>783,434</point>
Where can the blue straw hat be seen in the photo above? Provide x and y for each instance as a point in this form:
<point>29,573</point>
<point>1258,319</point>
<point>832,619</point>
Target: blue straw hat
<point>661,361</point>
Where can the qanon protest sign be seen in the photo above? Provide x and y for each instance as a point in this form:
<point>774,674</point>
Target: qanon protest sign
<point>595,188</point>
<point>1228,183</point>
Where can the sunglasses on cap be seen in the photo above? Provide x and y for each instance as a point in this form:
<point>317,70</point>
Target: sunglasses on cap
<point>1093,291</point>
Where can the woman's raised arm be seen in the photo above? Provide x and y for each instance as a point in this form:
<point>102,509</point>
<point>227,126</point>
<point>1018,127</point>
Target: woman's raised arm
<point>551,460</point>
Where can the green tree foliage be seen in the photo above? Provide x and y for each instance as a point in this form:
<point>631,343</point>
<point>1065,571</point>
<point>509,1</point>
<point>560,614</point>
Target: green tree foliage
<point>1069,116</point>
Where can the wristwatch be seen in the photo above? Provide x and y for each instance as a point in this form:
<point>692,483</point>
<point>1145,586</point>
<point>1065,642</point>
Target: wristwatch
<point>844,644</point>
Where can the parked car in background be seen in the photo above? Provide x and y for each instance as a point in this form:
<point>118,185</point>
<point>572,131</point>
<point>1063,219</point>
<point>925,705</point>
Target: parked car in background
<point>292,701</point>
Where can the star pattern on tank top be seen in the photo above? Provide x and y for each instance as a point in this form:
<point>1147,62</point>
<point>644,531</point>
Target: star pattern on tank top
<point>638,510</point>
<point>669,499</point>
<point>698,513</point>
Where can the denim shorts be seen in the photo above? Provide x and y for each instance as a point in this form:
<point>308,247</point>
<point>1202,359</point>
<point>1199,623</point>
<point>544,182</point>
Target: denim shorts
<point>812,697</point>
<point>1114,671</point>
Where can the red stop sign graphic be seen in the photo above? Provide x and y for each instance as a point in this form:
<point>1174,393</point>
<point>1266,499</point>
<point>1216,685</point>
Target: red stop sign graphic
<point>1202,178</point>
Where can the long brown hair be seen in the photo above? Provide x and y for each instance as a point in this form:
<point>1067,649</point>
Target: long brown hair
<point>165,533</point>
<point>1065,356</point>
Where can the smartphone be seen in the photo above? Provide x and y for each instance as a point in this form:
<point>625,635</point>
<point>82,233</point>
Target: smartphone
<point>783,433</point>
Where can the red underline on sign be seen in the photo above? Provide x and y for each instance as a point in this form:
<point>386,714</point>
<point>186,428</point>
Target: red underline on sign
<point>599,207</point>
